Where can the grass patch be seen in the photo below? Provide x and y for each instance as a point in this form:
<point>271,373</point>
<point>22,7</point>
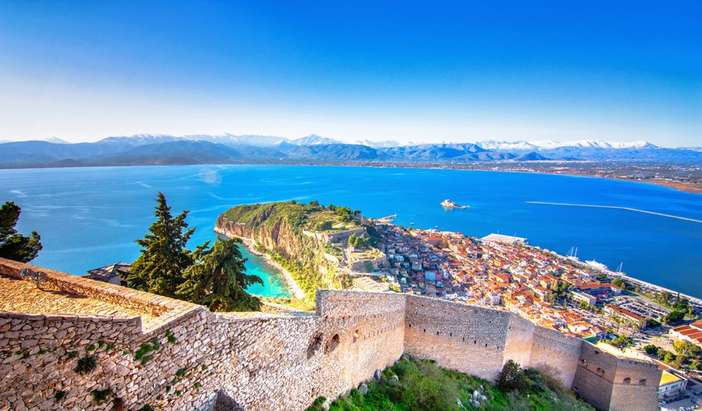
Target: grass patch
<point>147,350</point>
<point>412,384</point>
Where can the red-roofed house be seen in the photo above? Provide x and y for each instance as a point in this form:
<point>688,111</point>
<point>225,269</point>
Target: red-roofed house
<point>690,332</point>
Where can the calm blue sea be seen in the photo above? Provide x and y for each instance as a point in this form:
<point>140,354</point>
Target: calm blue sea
<point>90,217</point>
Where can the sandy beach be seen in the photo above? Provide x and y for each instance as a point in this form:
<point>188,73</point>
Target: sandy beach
<point>289,280</point>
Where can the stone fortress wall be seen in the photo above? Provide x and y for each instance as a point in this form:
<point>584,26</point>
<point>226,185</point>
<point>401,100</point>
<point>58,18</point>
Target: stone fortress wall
<point>178,355</point>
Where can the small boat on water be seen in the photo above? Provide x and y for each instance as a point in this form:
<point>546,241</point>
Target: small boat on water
<point>451,205</point>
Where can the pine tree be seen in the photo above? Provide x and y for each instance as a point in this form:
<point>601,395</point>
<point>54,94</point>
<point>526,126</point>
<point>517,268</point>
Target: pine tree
<point>217,279</point>
<point>164,256</point>
<point>12,244</point>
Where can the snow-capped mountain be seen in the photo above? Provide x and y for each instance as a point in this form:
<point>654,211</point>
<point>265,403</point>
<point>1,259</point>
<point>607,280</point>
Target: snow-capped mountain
<point>228,148</point>
<point>507,145</point>
<point>313,140</point>
<point>139,139</point>
<point>238,140</point>
<point>550,145</point>
<point>379,143</point>
<point>56,140</point>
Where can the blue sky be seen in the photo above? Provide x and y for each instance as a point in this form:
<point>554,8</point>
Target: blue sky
<point>407,71</point>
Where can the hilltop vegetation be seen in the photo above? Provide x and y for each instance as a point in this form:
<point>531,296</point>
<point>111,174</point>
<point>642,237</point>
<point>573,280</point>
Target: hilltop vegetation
<point>311,217</point>
<point>301,238</point>
<point>412,384</point>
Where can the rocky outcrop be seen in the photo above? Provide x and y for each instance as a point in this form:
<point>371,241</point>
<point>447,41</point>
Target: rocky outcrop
<point>303,255</point>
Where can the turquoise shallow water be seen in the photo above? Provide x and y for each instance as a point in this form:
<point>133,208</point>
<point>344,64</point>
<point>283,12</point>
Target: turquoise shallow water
<point>89,217</point>
<point>273,285</point>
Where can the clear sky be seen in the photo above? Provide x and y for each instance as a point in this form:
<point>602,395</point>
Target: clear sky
<point>408,71</point>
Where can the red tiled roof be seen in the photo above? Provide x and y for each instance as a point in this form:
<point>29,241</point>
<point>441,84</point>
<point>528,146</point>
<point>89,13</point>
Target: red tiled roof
<point>689,332</point>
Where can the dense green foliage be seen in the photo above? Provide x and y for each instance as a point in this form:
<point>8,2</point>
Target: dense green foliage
<point>13,245</point>
<point>686,356</point>
<point>211,276</point>
<point>218,280</point>
<point>621,341</point>
<point>358,241</point>
<point>312,216</point>
<point>651,349</point>
<point>422,385</point>
<point>164,255</point>
<point>674,317</point>
<point>512,377</point>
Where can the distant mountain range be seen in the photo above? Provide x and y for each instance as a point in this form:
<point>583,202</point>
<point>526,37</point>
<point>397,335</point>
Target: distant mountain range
<point>228,148</point>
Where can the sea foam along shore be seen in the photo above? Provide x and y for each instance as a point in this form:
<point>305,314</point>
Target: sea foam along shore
<point>289,280</point>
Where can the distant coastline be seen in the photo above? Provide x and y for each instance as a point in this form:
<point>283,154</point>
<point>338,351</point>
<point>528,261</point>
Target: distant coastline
<point>564,168</point>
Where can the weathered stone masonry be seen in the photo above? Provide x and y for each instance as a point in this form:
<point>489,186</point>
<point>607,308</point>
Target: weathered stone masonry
<point>185,357</point>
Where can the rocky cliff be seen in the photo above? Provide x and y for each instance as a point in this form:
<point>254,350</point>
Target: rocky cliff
<point>309,240</point>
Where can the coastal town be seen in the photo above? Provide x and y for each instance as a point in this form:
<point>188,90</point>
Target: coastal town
<point>583,299</point>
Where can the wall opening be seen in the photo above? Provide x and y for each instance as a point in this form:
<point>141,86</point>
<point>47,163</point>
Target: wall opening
<point>314,345</point>
<point>332,344</point>
<point>356,334</point>
<point>642,381</point>
<point>627,380</point>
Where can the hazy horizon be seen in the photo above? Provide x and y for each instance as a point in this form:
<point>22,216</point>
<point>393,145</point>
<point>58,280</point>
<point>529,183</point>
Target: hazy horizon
<point>399,142</point>
<point>448,72</point>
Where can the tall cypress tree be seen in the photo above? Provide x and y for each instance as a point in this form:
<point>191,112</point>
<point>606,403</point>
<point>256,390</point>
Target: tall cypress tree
<point>217,279</point>
<point>164,256</point>
<point>13,245</point>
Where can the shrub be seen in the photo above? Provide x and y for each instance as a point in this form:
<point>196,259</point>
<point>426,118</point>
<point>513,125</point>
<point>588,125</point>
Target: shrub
<point>85,365</point>
<point>146,351</point>
<point>59,395</point>
<point>100,396</point>
<point>317,405</point>
<point>651,349</point>
<point>324,225</point>
<point>621,342</point>
<point>512,377</point>
<point>674,317</point>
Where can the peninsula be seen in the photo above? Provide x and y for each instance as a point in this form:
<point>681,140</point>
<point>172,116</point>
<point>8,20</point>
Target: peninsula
<point>580,299</point>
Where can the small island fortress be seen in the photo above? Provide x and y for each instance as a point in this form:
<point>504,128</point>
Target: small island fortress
<point>68,342</point>
<point>451,205</point>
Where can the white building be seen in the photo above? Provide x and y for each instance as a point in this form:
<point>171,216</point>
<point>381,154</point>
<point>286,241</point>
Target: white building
<point>671,385</point>
<point>504,239</point>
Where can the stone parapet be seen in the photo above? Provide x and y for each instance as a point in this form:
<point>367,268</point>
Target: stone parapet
<point>190,358</point>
